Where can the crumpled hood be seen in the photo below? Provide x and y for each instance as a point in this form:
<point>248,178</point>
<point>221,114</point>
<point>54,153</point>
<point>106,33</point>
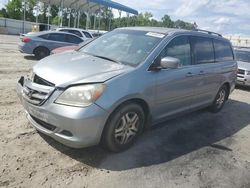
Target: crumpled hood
<point>76,67</point>
<point>243,65</point>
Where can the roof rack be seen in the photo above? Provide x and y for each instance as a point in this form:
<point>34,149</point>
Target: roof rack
<point>209,32</point>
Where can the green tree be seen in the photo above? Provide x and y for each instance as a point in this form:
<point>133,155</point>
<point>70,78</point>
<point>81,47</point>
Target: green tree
<point>183,25</point>
<point>14,9</point>
<point>3,13</point>
<point>167,22</point>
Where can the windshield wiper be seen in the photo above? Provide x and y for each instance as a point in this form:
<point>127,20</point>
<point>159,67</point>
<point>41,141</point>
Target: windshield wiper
<point>107,58</point>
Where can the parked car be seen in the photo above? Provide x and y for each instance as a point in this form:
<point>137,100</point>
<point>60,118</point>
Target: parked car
<point>97,33</point>
<point>127,80</point>
<point>243,60</point>
<point>42,43</point>
<point>70,48</point>
<point>79,32</point>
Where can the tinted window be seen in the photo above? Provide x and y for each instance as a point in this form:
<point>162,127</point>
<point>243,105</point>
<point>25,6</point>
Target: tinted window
<point>223,51</point>
<point>72,31</point>
<point>179,48</point>
<point>44,36</point>
<point>87,34</point>
<point>73,39</point>
<point>203,50</point>
<point>56,37</point>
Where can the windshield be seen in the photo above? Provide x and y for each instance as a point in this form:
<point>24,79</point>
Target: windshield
<point>124,46</point>
<point>242,56</point>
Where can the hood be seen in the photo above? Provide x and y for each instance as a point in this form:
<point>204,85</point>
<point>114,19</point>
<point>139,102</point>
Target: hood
<point>76,67</point>
<point>243,65</point>
<point>64,49</point>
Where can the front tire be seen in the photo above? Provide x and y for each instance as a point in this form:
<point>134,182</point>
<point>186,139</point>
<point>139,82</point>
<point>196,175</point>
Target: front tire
<point>123,127</point>
<point>219,100</point>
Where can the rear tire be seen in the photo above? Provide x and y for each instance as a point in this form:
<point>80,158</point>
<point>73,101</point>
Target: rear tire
<point>41,52</point>
<point>219,100</point>
<point>123,127</point>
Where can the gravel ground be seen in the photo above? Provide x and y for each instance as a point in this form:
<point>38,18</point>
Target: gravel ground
<point>196,150</point>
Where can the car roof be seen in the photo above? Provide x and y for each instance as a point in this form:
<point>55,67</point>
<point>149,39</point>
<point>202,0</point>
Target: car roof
<point>70,28</point>
<point>48,32</point>
<point>174,31</point>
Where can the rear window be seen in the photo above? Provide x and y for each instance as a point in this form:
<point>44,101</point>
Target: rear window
<point>44,36</point>
<point>203,50</point>
<point>87,34</point>
<point>72,31</point>
<point>223,51</point>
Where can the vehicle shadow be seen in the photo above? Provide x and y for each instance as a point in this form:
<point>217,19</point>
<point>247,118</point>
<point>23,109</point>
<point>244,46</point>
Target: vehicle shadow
<point>165,143</point>
<point>244,88</point>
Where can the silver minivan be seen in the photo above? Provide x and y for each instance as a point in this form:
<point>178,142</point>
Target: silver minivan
<point>129,79</point>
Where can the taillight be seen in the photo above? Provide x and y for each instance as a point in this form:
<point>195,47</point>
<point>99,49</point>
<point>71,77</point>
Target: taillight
<point>26,39</point>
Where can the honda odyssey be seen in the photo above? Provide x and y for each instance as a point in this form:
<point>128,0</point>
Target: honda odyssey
<point>129,79</point>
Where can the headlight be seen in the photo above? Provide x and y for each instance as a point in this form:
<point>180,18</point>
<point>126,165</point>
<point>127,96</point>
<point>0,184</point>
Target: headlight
<point>81,96</point>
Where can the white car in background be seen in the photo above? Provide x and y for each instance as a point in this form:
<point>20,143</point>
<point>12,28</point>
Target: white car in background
<point>243,60</point>
<point>97,33</point>
<point>77,31</point>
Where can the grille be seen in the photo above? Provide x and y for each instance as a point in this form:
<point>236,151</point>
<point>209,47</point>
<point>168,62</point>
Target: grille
<point>35,93</point>
<point>41,81</point>
<point>43,124</point>
<point>241,71</point>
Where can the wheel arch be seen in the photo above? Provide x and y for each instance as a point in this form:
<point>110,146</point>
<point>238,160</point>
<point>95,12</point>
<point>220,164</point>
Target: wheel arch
<point>141,102</point>
<point>227,84</point>
<point>40,47</point>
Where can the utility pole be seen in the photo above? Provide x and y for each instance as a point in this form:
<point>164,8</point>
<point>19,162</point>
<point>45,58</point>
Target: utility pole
<point>24,14</point>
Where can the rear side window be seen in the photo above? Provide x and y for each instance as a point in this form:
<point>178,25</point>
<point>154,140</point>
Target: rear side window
<point>203,50</point>
<point>179,48</point>
<point>87,34</point>
<point>223,51</point>
<point>57,37</point>
<point>73,39</point>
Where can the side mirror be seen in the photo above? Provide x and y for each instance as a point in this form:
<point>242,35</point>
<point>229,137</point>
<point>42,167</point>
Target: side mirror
<point>169,62</point>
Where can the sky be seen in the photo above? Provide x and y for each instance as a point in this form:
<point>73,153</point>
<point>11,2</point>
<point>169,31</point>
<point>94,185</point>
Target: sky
<point>223,16</point>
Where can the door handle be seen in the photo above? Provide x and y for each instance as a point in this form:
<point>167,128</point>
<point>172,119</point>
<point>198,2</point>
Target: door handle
<point>189,74</point>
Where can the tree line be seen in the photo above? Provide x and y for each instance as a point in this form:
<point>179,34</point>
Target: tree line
<point>15,9</point>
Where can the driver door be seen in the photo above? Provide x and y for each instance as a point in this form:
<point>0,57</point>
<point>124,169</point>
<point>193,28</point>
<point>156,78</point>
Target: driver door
<point>175,88</point>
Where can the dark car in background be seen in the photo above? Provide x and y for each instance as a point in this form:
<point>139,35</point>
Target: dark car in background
<point>42,43</point>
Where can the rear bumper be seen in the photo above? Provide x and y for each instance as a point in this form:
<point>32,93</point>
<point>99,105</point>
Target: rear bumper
<point>72,126</point>
<point>24,49</point>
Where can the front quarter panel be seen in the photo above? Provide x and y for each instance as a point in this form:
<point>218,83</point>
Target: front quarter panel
<point>136,84</point>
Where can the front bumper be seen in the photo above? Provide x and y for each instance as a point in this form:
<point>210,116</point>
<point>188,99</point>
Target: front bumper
<point>72,126</point>
<point>243,80</point>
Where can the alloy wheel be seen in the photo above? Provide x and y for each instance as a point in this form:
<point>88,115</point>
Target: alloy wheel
<point>127,128</point>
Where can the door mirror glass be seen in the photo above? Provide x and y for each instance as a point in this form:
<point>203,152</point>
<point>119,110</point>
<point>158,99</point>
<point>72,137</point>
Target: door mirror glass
<point>169,63</point>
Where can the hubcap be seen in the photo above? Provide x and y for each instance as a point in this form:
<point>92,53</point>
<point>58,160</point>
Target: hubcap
<point>221,98</point>
<point>127,128</point>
